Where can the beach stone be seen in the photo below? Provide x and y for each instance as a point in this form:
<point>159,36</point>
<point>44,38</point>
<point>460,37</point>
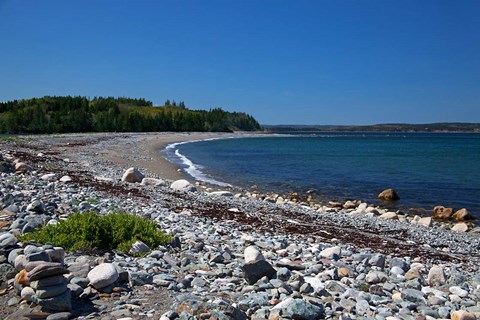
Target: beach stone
<point>48,176</point>
<point>7,271</point>
<point>284,274</point>
<point>46,269</point>
<point>153,182</point>
<point>37,256</point>
<point>436,276</point>
<point>102,275</point>
<point>48,281</point>
<point>440,212</point>
<point>426,221</point>
<point>362,307</point>
<point>132,175</point>
<point>79,269</point>
<point>65,179</point>
<point>57,254</point>
<point>13,255</point>
<point>51,291</point>
<point>388,195</point>
<point>316,283</point>
<point>59,316</point>
<point>460,227</point>
<point>377,260</point>
<point>220,194</point>
<point>413,295</point>
<point>399,262</point>
<point>27,293</point>
<point>139,247</point>
<point>36,206</point>
<point>292,265</point>
<point>461,215</point>
<point>183,185</point>
<point>302,310</point>
<point>462,315</point>
<point>458,291</point>
<point>62,302</point>
<point>252,254</point>
<point>331,253</point>
<point>390,215</point>
<point>254,271</point>
<point>375,277</point>
<point>7,240</point>
<point>22,167</point>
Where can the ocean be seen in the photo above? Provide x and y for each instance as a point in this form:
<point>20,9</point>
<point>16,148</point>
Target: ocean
<point>426,169</point>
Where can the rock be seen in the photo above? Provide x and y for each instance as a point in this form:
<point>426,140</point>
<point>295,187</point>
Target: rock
<point>183,185</point>
<point>426,221</point>
<point>253,272</point>
<point>458,291</point>
<point>252,254</point>
<point>302,310</point>
<point>46,269</point>
<point>389,215</point>
<point>460,227</point>
<point>102,275</point>
<point>399,262</point>
<point>48,176</point>
<point>377,260</point>
<point>132,175</point>
<point>36,206</point>
<point>461,215</point>
<point>62,302</point>
<point>440,212</point>
<point>48,281</point>
<point>13,255</point>
<point>7,271</point>
<point>22,167</point>
<point>414,296</point>
<point>436,276</point>
<point>153,182</point>
<point>375,277</point>
<point>51,291</point>
<point>221,193</point>
<point>6,166</point>
<point>139,247</point>
<point>331,253</point>
<point>292,265</point>
<point>7,240</point>
<point>65,179</point>
<point>462,315</point>
<point>59,316</point>
<point>388,195</point>
<point>27,294</point>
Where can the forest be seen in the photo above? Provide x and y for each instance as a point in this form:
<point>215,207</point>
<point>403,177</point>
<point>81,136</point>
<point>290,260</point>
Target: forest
<point>109,114</point>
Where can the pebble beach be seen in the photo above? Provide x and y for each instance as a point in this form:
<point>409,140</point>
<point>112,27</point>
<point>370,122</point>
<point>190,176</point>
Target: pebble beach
<point>235,254</point>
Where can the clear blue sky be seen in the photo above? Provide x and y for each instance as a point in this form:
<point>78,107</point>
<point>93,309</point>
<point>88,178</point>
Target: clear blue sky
<point>295,62</point>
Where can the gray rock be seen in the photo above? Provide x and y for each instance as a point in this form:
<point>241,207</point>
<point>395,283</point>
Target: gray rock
<point>436,276</point>
<point>62,302</point>
<point>27,293</point>
<point>399,262</point>
<point>252,272</point>
<point>283,274</point>
<point>82,282</point>
<point>362,307</point>
<point>413,295</point>
<point>7,271</point>
<point>377,260</point>
<point>252,254</point>
<point>140,278</point>
<point>139,247</point>
<point>7,240</point>
<point>48,281</point>
<point>375,277</point>
<point>132,175</point>
<point>50,291</point>
<point>59,316</point>
<point>45,269</point>
<point>302,310</point>
<point>38,256</point>
<point>36,206</point>
<point>102,275</point>
<point>13,255</point>
<point>255,299</point>
<point>458,291</point>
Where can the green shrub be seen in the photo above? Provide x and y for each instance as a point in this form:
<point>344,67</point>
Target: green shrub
<point>89,230</point>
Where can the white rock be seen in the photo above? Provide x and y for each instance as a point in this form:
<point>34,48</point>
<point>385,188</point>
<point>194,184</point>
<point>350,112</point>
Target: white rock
<point>139,247</point>
<point>48,176</point>
<point>252,254</point>
<point>183,185</point>
<point>331,252</point>
<point>460,227</point>
<point>316,283</point>
<point>27,294</point>
<point>132,175</point>
<point>102,275</point>
<point>427,221</point>
<point>221,193</point>
<point>65,179</point>
<point>389,215</point>
<point>153,182</point>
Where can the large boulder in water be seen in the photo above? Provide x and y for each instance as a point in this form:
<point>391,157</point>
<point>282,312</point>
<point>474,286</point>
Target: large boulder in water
<point>388,195</point>
<point>183,185</point>
<point>132,175</point>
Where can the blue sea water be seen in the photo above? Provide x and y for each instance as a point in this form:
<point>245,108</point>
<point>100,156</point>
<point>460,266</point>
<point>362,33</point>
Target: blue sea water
<point>426,169</point>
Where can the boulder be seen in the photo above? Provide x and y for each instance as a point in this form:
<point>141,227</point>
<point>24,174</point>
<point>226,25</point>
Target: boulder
<point>461,215</point>
<point>440,212</point>
<point>388,195</point>
<point>460,227</point>
<point>253,272</point>
<point>102,275</point>
<point>183,185</point>
<point>132,175</point>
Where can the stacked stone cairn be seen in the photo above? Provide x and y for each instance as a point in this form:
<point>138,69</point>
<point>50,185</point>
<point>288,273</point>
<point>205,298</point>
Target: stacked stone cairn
<point>41,277</point>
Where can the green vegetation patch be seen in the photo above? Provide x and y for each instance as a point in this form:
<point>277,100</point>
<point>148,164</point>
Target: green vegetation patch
<point>89,230</point>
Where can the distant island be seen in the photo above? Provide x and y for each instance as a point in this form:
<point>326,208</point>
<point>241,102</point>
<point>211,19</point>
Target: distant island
<point>81,114</point>
<point>391,127</point>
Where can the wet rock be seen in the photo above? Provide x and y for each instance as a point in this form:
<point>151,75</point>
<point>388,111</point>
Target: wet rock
<point>388,195</point>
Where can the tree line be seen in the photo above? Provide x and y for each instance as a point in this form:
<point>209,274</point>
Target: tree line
<point>82,114</point>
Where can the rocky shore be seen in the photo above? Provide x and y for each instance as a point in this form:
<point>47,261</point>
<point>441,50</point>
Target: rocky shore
<point>236,254</point>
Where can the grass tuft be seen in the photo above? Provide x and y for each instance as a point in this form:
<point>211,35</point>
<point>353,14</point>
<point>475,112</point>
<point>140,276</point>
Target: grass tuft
<point>91,231</point>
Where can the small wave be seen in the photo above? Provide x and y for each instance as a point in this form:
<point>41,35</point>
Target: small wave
<point>191,168</point>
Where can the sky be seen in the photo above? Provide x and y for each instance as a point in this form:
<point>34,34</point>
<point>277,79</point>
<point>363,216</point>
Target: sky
<point>282,61</point>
